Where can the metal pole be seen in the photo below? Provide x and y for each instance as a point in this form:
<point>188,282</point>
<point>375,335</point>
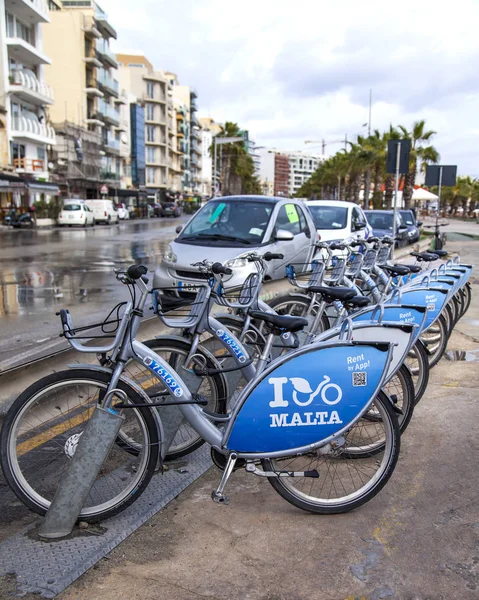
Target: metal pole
<point>214,168</point>
<point>438,205</point>
<point>370,101</point>
<point>398,156</point>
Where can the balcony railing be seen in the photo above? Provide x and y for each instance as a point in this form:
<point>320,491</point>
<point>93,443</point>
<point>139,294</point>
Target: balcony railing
<point>112,86</point>
<point>108,112</point>
<point>28,126</point>
<point>105,53</point>
<point>29,165</point>
<point>31,86</point>
<point>112,144</point>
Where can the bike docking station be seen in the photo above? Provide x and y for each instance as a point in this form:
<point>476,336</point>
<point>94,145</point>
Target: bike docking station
<point>88,453</point>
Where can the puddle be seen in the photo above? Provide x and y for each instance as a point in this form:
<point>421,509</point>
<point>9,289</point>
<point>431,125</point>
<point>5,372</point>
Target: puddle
<point>462,355</point>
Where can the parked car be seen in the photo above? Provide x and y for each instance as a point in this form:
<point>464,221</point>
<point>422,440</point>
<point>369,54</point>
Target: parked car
<point>412,225</point>
<point>154,210</point>
<point>338,221</point>
<point>170,209</point>
<point>76,212</point>
<point>228,228</point>
<point>123,213</point>
<point>382,223</point>
<point>104,211</point>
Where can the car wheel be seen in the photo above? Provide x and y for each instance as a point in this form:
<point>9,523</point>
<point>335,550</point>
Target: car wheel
<point>109,221</point>
<point>93,223</point>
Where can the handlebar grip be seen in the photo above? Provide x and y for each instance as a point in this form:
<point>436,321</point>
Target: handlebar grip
<point>372,239</point>
<point>337,246</point>
<point>136,271</point>
<point>356,243</point>
<point>272,256</point>
<point>219,269</point>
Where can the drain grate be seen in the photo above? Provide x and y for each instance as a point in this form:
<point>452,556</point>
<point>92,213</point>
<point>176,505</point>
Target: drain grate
<point>47,568</point>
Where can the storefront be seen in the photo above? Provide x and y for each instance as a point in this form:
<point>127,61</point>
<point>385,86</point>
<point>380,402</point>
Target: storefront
<point>13,195</point>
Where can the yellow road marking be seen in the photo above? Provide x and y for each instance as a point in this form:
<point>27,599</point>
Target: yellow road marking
<point>48,435</point>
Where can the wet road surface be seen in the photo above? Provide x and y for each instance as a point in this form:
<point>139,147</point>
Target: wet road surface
<point>42,271</point>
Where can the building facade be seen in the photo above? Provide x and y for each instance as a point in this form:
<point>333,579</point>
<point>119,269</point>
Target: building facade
<point>209,129</point>
<point>281,175</point>
<point>301,166</point>
<point>83,74</point>
<point>26,134</point>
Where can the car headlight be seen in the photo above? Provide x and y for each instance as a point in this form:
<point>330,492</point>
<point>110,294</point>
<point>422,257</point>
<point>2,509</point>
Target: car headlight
<point>412,232</point>
<point>170,256</point>
<point>234,263</point>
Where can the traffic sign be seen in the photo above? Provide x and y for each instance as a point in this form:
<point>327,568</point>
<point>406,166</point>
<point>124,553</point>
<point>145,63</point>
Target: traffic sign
<point>104,189</point>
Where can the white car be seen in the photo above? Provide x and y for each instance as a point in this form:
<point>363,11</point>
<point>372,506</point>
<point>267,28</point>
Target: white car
<point>76,213</point>
<point>123,213</point>
<point>104,211</point>
<point>338,221</point>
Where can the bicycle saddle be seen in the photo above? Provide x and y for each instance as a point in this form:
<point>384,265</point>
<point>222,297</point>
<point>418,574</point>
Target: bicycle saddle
<point>425,256</point>
<point>333,293</point>
<point>397,270</point>
<point>412,268</point>
<point>358,301</point>
<point>284,322</point>
<point>440,253</point>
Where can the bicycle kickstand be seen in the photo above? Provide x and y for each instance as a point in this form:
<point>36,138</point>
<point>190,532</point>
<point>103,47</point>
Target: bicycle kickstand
<point>217,495</point>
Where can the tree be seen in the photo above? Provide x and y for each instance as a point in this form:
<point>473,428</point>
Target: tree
<point>237,172</point>
<point>420,151</point>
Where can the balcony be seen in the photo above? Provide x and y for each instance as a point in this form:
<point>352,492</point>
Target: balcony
<point>29,11</point>
<point>122,99</point>
<point>109,114</point>
<point>90,27</point>
<point>103,25</point>
<point>28,128</point>
<point>112,146</point>
<point>92,89</point>
<point>92,59</point>
<point>94,118</point>
<point>106,175</point>
<point>105,54</point>
<point>25,53</point>
<point>26,86</point>
<point>29,165</point>
<point>109,85</point>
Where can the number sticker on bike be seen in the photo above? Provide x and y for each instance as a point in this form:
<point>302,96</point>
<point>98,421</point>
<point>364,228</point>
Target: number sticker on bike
<point>236,349</point>
<point>164,375</point>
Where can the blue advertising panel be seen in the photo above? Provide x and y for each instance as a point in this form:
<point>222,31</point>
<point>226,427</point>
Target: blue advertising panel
<point>308,398</point>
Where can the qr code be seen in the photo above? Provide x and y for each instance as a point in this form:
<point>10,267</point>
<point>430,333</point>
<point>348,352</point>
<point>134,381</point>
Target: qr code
<point>431,307</point>
<point>360,379</point>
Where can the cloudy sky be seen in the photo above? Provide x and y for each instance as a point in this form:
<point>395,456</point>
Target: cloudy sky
<point>296,70</point>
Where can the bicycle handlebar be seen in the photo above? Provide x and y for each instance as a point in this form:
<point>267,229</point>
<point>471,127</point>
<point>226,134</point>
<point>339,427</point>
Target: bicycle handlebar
<point>272,256</point>
<point>218,269</point>
<point>136,272</point>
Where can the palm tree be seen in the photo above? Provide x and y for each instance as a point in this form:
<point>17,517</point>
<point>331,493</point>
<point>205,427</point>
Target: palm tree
<point>427,154</point>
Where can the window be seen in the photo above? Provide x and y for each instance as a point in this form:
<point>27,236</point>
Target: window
<point>150,89</point>
<point>24,32</point>
<point>288,219</point>
<point>329,217</point>
<point>41,152</point>
<point>150,175</point>
<point>18,151</point>
<point>303,223</point>
<point>150,133</point>
<point>150,112</point>
<point>150,154</point>
<point>355,217</point>
<point>10,25</point>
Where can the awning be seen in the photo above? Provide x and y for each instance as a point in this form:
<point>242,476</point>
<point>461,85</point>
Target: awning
<point>7,185</point>
<point>422,194</point>
<point>43,187</point>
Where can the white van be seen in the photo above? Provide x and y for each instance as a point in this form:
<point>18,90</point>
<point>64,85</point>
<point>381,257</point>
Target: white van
<point>104,211</point>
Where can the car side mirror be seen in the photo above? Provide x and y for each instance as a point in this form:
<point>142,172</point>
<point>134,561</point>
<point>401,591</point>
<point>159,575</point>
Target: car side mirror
<point>360,225</point>
<point>283,236</point>
<point>419,224</point>
<point>402,228</point>
<point>179,229</point>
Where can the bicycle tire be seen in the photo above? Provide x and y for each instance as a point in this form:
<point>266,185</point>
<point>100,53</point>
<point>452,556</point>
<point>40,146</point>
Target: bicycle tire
<point>435,339</point>
<point>468,295</point>
<point>45,478</point>
<point>401,385</point>
<point>420,374</point>
<point>305,501</point>
<point>186,440</point>
<point>285,305</point>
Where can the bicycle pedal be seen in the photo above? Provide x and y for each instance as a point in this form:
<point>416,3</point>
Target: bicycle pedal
<point>219,498</point>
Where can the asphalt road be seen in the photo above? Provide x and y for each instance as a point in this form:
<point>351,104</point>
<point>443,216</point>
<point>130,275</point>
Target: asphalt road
<point>42,271</point>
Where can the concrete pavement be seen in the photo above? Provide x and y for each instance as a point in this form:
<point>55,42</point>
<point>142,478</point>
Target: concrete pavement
<point>417,540</point>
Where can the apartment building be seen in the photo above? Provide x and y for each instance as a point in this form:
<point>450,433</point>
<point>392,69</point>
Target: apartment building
<point>25,132</point>
<point>301,166</point>
<point>281,174</point>
<point>209,129</point>
<point>84,75</point>
<point>152,90</point>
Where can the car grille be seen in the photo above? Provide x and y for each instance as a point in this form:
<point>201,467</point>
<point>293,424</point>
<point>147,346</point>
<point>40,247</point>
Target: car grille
<point>192,274</point>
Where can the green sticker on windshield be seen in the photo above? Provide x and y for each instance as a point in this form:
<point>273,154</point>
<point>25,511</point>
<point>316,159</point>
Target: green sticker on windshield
<point>291,213</point>
<point>217,212</point>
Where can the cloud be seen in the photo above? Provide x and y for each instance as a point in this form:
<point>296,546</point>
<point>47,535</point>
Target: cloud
<point>291,71</point>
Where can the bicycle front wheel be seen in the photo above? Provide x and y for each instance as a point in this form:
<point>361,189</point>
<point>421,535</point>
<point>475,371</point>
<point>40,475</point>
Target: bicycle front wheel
<point>418,364</point>
<point>41,432</point>
<point>435,339</point>
<point>345,482</point>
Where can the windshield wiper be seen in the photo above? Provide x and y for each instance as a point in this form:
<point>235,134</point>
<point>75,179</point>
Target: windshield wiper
<point>216,236</point>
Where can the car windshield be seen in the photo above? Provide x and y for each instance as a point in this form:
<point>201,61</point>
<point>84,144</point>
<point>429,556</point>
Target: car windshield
<point>329,217</point>
<point>226,223</point>
<point>380,220</point>
<point>72,207</point>
<point>168,205</point>
<point>407,217</point>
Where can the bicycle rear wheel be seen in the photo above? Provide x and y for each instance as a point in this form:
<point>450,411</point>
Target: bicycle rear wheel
<point>42,429</point>
<point>435,340</point>
<point>344,482</point>
<point>418,364</point>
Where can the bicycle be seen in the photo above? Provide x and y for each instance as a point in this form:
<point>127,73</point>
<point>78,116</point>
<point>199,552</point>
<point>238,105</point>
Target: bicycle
<point>261,431</point>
